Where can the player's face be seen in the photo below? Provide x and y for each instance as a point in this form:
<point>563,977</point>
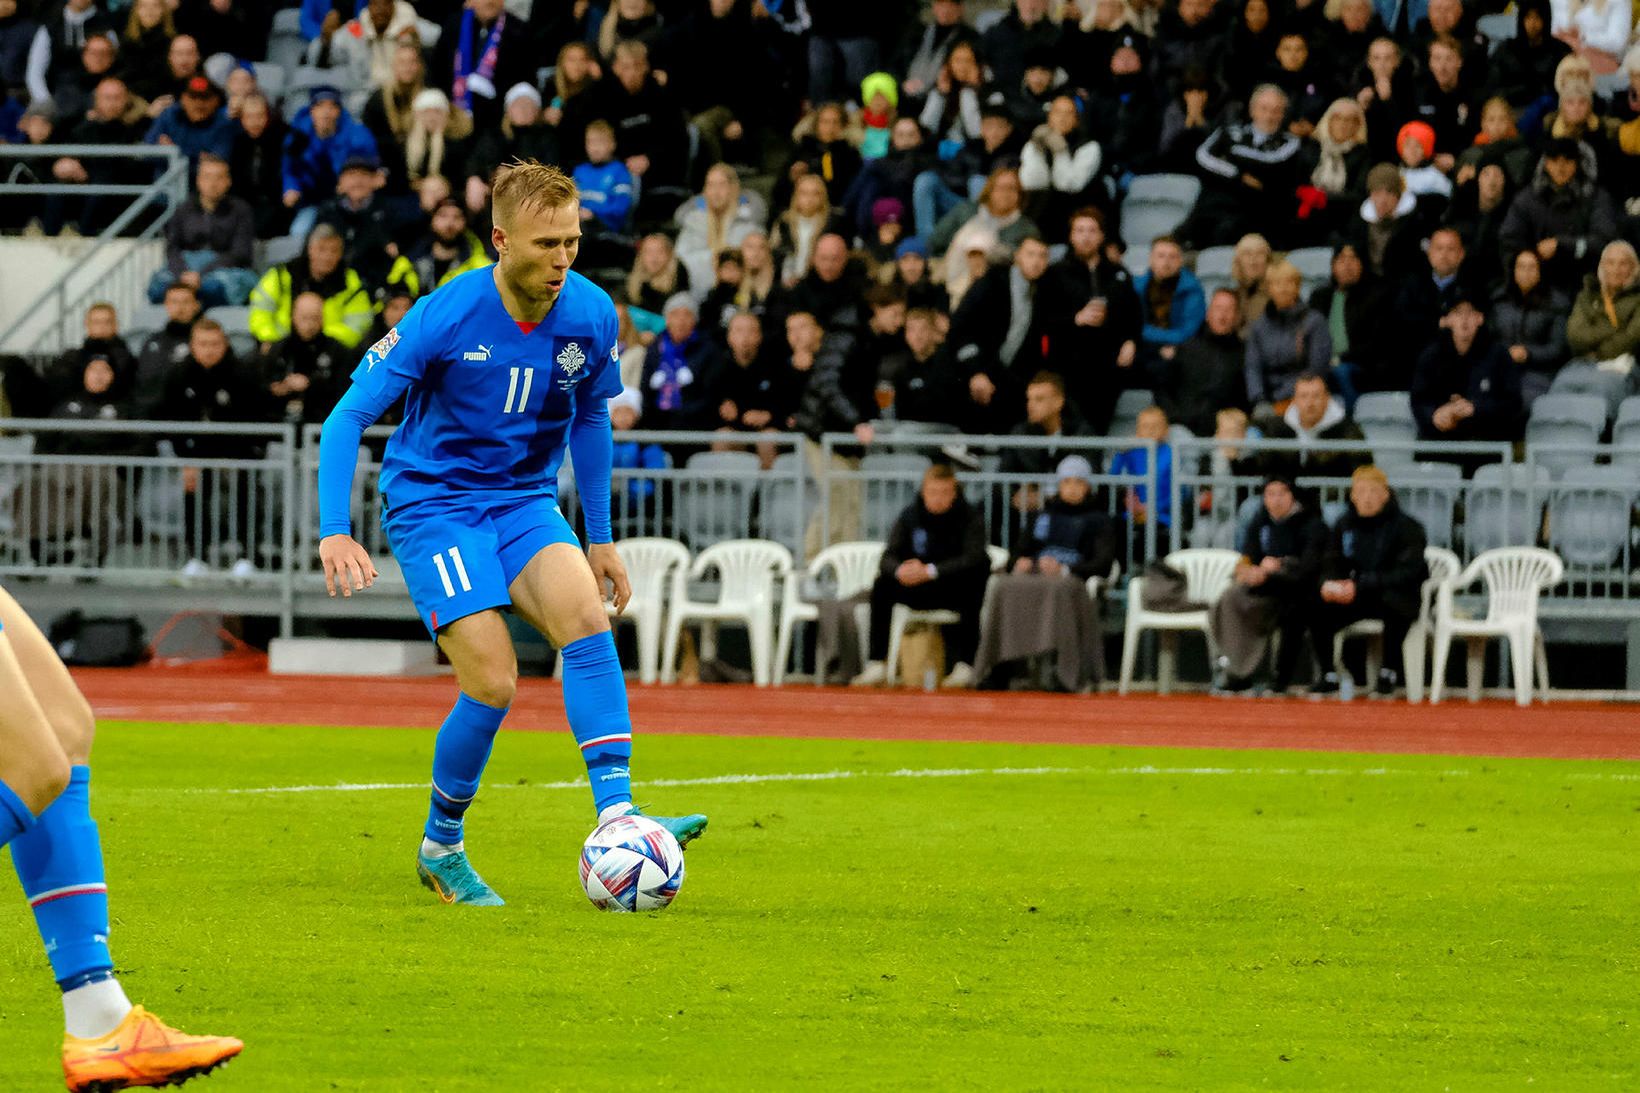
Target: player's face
<point>538,248</point>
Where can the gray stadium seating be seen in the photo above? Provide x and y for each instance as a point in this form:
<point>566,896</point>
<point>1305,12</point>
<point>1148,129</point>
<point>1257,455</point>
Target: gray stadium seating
<point>1589,513</point>
<point>714,501</point>
<point>1566,421</point>
<point>1505,506</point>
<point>1213,268</point>
<point>1155,205</point>
<point>1387,416</point>
<point>887,497</point>
<point>1429,492</point>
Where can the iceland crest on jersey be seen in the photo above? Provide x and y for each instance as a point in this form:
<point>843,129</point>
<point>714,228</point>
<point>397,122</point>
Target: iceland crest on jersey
<point>572,360</point>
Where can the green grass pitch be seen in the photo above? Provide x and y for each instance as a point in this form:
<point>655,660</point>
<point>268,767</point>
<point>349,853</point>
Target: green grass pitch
<point>1055,918</point>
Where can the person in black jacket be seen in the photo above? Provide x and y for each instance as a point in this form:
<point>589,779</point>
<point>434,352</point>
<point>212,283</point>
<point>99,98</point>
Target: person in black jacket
<point>481,52</point>
<point>1092,320</point>
<point>307,372</point>
<point>1564,215</point>
<point>1208,373</point>
<point>1273,586</point>
<point>745,386</point>
<point>1465,386</point>
<point>102,339</point>
<point>1374,569</point>
<point>840,397</point>
<point>919,371</point>
<point>210,385</point>
<point>1071,534</point>
<point>996,339</point>
<point>935,559</point>
<point>651,137</point>
<point>1523,67</point>
<point>257,163</point>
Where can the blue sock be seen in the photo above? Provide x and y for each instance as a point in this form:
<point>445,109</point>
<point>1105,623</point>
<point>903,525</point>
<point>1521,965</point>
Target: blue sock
<point>15,817</point>
<point>61,866</point>
<point>595,701</point>
<point>462,749</point>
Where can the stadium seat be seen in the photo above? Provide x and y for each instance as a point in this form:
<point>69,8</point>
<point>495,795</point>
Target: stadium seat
<point>1136,260</point>
<point>282,249</point>
<point>1314,265</point>
<point>785,497</point>
<point>288,21</point>
<point>286,50</point>
<point>1428,492</point>
<point>1208,572</point>
<point>747,570</point>
<point>1626,434</point>
<point>1497,28</point>
<point>1505,506</point>
<point>1612,84</point>
<point>891,480</point>
<point>1513,576</point>
<point>714,497</point>
<point>232,318</point>
<point>847,570</point>
<point>1213,268</point>
<point>1443,566</point>
<point>270,78</point>
<point>1564,429</point>
<point>1155,205</point>
<point>1589,514</point>
<point>650,565</point>
<point>1129,404</point>
<point>1587,378</point>
<point>1385,417</point>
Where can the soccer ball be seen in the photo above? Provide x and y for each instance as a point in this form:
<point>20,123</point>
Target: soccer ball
<point>631,864</point>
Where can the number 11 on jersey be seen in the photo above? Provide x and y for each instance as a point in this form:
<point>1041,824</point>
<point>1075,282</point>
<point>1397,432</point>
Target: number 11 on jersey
<point>512,389</point>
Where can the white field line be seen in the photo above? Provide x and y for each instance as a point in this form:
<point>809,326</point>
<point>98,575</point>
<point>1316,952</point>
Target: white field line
<point>906,772</point>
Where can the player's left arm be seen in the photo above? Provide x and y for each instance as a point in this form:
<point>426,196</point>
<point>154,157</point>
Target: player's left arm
<point>592,448</point>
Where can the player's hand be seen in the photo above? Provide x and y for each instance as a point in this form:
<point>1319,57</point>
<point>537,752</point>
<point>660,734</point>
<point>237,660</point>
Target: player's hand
<point>607,565</point>
<point>347,565</point>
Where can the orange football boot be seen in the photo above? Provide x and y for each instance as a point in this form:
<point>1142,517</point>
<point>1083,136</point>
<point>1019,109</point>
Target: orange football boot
<point>142,1052</point>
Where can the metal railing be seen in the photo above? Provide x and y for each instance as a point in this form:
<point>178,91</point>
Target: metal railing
<point>113,502</point>
<point>66,297</point>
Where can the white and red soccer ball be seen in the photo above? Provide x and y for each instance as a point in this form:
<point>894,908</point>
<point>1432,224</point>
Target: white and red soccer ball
<point>631,863</point>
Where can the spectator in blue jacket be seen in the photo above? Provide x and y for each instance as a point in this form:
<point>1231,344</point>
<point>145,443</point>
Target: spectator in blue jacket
<point>604,181</point>
<point>1140,506</point>
<point>196,123</point>
<point>322,138</point>
<point>1171,301</point>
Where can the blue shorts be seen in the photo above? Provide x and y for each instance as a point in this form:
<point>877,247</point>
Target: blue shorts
<point>460,557</point>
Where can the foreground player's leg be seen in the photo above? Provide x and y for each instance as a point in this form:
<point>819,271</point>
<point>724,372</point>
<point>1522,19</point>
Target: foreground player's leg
<point>487,671</point>
<point>107,1042</point>
<point>558,596</point>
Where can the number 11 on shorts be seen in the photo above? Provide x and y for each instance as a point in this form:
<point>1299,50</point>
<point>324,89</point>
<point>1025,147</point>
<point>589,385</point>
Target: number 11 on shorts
<point>444,573</point>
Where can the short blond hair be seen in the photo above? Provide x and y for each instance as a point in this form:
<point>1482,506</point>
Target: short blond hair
<point>529,184</point>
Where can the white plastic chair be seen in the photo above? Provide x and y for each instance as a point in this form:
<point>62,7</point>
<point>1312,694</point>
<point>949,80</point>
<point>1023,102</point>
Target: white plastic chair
<point>1208,571</point>
<point>1443,566</point>
<point>1513,577</point>
<point>904,618</point>
<point>854,567</point>
<point>650,565</point>
<point>747,571</point>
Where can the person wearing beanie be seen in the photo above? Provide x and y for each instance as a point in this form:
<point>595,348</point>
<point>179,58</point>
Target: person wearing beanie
<point>1564,215</point>
<point>1415,144</point>
<point>912,279</point>
<point>1071,536</point>
<point>881,97</point>
<point>1373,569</point>
<point>678,370</point>
<point>1273,588</point>
<point>1389,229</point>
<point>323,137</point>
<point>1523,68</point>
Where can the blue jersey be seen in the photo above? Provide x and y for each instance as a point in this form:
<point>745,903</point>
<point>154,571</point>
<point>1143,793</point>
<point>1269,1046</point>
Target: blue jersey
<point>488,407</point>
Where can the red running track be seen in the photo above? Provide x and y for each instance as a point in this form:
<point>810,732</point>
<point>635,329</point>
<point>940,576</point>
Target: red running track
<point>1571,730</point>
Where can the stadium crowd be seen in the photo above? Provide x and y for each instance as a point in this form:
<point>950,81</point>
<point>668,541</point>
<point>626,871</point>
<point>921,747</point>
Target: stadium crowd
<point>818,215</point>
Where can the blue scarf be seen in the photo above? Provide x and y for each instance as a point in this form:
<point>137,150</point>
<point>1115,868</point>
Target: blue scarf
<point>480,80</point>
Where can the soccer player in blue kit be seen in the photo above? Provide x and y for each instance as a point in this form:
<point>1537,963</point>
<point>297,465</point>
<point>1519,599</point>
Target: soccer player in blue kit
<point>502,368</point>
<point>46,730</point>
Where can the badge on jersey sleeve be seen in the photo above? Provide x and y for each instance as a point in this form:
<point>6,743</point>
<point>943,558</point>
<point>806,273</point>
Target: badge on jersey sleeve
<point>570,361</point>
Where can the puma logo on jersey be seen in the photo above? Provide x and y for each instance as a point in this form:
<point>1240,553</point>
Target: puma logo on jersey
<point>482,353</point>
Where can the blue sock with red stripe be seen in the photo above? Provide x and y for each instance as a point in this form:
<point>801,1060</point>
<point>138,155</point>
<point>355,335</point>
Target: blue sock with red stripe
<point>60,864</point>
<point>459,755</point>
<point>595,702</point>
<point>15,816</point>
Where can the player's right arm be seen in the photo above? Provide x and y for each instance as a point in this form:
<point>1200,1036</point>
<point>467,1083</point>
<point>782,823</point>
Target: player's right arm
<point>389,367</point>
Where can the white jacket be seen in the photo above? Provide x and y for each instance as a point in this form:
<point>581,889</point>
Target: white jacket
<point>1604,27</point>
<point>1070,171</point>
